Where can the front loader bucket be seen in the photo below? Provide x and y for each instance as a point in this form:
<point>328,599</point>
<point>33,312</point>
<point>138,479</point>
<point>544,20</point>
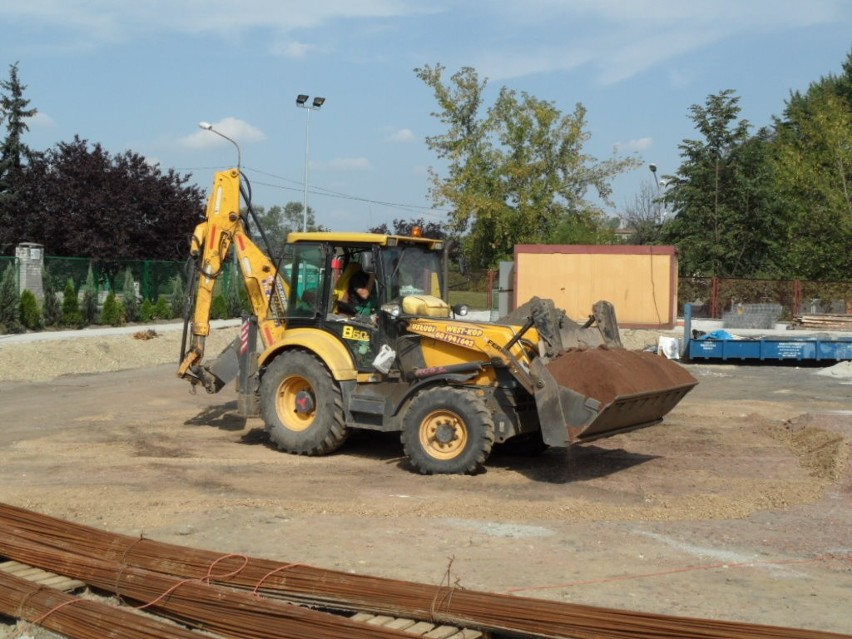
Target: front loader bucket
<point>586,395</point>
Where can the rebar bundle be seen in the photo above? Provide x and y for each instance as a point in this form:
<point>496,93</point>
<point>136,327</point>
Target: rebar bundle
<point>193,602</point>
<point>76,617</point>
<point>343,591</point>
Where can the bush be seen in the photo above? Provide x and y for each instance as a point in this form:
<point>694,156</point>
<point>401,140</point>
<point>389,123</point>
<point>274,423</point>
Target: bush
<point>113,311</point>
<point>162,309</point>
<point>10,302</point>
<point>89,309</point>
<point>52,310</point>
<point>71,315</point>
<point>219,308</point>
<point>30,312</point>
<point>179,301</point>
<point>131,303</point>
<point>146,311</point>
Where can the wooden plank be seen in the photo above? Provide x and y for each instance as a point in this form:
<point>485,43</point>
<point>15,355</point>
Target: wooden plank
<point>61,582</point>
<point>420,628</point>
<point>379,620</point>
<point>400,624</point>
<point>39,576</point>
<point>363,617</point>
<point>467,633</point>
<point>441,632</point>
<point>26,572</point>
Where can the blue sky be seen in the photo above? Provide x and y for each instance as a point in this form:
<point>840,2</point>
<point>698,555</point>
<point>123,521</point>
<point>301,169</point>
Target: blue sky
<point>141,75</point>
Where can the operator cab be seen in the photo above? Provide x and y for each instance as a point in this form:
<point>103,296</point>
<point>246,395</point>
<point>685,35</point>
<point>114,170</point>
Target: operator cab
<point>405,277</point>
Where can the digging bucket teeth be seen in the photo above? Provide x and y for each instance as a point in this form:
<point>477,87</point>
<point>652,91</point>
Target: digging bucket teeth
<point>586,395</point>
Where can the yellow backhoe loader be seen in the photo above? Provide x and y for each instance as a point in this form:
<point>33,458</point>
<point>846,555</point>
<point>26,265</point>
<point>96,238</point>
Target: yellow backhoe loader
<point>314,370</point>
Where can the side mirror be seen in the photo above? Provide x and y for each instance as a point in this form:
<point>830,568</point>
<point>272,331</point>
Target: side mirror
<point>368,265</point>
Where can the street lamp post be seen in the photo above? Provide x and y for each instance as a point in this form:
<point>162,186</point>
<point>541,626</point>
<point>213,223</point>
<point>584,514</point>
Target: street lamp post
<point>209,127</point>
<point>302,102</point>
<point>661,211</point>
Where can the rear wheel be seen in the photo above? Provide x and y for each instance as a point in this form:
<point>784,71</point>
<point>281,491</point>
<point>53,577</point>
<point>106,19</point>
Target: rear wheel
<point>302,405</point>
<point>447,430</point>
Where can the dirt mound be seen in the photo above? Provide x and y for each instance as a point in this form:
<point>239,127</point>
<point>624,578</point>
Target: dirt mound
<point>604,373</point>
<point>820,451</point>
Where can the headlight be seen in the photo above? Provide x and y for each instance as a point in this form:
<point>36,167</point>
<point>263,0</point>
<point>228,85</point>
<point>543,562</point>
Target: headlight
<point>460,309</point>
<point>394,310</point>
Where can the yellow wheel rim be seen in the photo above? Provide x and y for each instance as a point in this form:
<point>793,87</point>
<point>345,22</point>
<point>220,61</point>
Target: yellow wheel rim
<point>287,403</point>
<point>443,434</point>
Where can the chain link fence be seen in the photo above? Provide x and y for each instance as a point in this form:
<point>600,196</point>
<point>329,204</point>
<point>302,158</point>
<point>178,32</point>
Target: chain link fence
<point>710,297</point>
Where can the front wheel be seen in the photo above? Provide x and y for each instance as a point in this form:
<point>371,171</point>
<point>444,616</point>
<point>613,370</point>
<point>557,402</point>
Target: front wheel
<point>302,406</point>
<point>447,431</point>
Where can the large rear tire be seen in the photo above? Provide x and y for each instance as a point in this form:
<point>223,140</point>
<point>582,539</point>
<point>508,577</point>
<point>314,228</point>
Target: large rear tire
<point>302,406</point>
<point>447,431</point>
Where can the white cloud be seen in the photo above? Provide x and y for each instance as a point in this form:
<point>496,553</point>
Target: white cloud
<point>234,128</point>
<point>403,135</point>
<point>346,165</point>
<point>293,49</point>
<point>618,39</point>
<point>116,20</point>
<point>41,121</point>
<point>638,144</point>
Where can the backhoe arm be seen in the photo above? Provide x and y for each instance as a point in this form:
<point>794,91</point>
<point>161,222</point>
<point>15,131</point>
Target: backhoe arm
<point>212,241</point>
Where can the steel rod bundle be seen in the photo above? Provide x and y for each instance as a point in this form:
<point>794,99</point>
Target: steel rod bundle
<point>79,618</point>
<point>192,602</point>
<point>344,591</point>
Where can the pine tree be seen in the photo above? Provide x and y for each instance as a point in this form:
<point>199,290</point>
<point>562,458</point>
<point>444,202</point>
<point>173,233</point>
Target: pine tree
<point>71,315</point>
<point>10,302</point>
<point>179,301</point>
<point>131,302</point>
<point>89,309</point>
<point>30,312</point>
<point>13,152</point>
<point>51,311</point>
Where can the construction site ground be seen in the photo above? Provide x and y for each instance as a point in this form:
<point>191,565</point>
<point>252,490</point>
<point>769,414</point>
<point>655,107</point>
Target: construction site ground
<point>738,506</point>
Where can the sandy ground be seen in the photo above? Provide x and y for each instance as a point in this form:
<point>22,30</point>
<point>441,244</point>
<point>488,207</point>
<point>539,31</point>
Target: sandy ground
<point>738,507</point>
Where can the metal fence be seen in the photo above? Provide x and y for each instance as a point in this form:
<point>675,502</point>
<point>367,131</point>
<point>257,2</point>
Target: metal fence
<point>152,278</point>
<point>713,297</point>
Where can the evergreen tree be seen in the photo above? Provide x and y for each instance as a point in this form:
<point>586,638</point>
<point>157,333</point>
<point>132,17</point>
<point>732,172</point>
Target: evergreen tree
<point>30,313</point>
<point>89,308</point>
<point>179,302</point>
<point>131,302</point>
<point>723,225</point>
<point>113,312</point>
<point>236,292</point>
<point>10,301</point>
<point>14,112</point>
<point>71,315</point>
<point>52,310</point>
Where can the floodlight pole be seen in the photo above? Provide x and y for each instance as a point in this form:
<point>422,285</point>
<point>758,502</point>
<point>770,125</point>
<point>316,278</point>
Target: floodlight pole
<point>302,103</point>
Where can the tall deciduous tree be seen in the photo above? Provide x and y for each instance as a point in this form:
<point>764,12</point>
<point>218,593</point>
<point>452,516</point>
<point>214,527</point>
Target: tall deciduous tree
<point>644,217</point>
<point>515,174</point>
<point>278,222</point>
<point>14,112</point>
<point>813,166</point>
<point>78,200</point>
<point>723,224</point>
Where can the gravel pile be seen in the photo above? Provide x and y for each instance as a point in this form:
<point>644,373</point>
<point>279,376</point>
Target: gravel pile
<point>42,360</point>
<point>50,356</point>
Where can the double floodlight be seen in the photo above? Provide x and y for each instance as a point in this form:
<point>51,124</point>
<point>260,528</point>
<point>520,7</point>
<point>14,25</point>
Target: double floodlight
<point>302,99</point>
